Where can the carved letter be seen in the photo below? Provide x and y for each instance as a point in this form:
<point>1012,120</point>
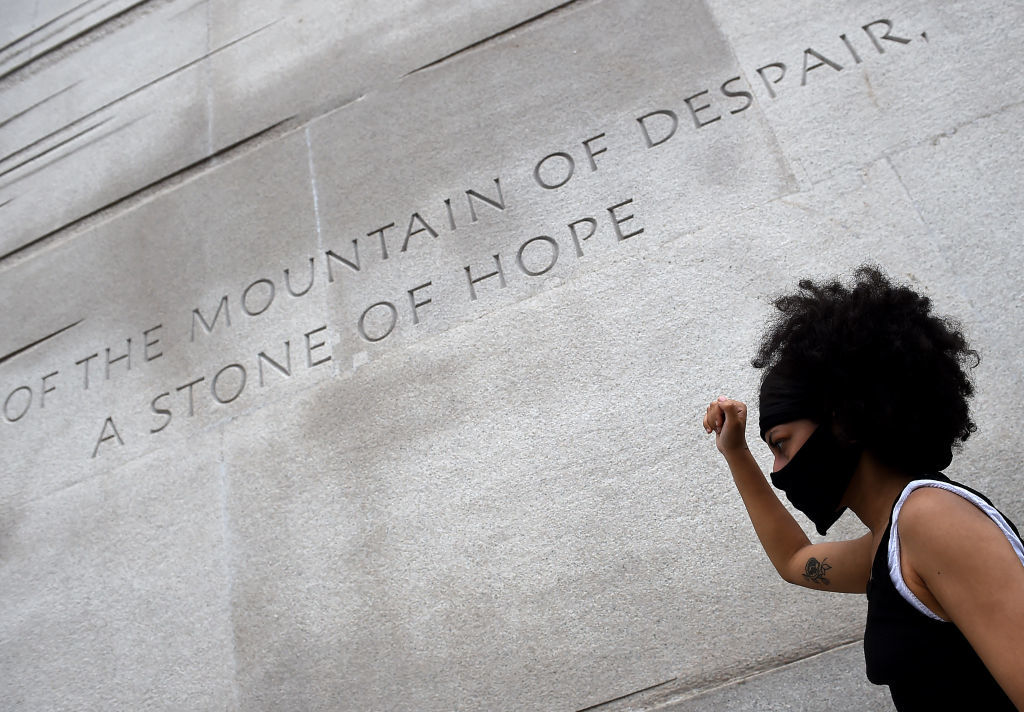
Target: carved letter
<point>570,166</point>
<point>695,110</point>
<point>270,297</point>
<point>288,281</point>
<point>470,194</point>
<point>146,343</point>
<point>287,371</point>
<point>191,410</point>
<point>886,36</point>
<point>591,153</point>
<point>354,266</point>
<point>104,437</point>
<point>311,347</point>
<point>651,143</point>
<point>822,61</point>
<point>383,243</point>
<point>202,320</point>
<point>392,315</point>
<point>617,221</point>
<point>7,403</point>
<point>44,390</point>
<point>85,361</point>
<point>472,282</point>
<point>216,379</point>
<point>166,412</point>
<point>126,357</point>
<point>576,238</point>
<point>768,84</point>
<point>853,52</point>
<point>416,305</point>
<point>410,232</point>
<point>554,255</point>
<point>451,215</point>
<point>742,92</point>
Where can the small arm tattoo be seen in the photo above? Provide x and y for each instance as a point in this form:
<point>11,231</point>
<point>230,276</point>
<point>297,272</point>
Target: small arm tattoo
<point>815,570</point>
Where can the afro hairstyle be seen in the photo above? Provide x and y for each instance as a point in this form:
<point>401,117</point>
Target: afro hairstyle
<point>893,376</point>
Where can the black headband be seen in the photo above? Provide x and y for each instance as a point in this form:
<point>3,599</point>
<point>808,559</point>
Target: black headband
<point>785,399</point>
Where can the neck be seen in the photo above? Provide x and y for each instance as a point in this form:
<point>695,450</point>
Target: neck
<point>873,490</point>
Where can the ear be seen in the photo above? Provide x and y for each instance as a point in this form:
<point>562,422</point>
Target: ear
<point>841,433</point>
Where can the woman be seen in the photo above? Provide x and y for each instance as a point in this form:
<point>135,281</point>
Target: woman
<point>864,395</point>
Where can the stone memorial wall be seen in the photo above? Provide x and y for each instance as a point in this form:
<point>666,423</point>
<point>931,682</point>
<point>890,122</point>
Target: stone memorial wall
<point>353,355</point>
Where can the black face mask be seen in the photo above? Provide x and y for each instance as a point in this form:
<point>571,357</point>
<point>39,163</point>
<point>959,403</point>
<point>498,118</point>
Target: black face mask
<point>817,476</point>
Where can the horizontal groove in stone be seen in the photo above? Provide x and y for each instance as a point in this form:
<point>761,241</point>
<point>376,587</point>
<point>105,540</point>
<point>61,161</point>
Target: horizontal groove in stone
<point>60,44</point>
<point>27,110</point>
<point>496,35</point>
<point>73,151</point>
<point>63,142</point>
<point>27,347</point>
<point>153,188</point>
<point>39,28</point>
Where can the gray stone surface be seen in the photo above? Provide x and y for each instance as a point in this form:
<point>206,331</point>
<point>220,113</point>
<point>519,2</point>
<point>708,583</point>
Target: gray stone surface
<point>117,116</point>
<point>116,591</point>
<point>98,122</point>
<point>420,159</point>
<point>510,528</point>
<point>19,19</point>
<point>30,29</point>
<point>961,70</point>
<point>507,502</point>
<point>831,681</point>
<point>978,232</point>
<point>186,250</point>
<point>314,56</point>
<point>430,505</point>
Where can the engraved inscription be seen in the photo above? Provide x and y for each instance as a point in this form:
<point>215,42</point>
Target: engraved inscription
<point>468,284</point>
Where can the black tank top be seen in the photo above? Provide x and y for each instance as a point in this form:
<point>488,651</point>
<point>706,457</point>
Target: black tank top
<point>927,663</point>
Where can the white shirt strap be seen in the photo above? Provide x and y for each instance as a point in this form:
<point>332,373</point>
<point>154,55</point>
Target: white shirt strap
<point>895,570</point>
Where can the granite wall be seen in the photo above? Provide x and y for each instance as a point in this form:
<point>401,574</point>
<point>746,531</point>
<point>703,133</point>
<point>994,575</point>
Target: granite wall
<point>353,355</point>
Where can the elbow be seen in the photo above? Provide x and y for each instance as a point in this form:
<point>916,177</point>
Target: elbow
<point>787,574</point>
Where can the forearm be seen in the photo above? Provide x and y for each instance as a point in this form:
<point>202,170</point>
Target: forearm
<point>778,531</point>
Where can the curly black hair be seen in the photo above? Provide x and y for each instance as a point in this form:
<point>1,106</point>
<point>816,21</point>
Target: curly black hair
<point>894,377</point>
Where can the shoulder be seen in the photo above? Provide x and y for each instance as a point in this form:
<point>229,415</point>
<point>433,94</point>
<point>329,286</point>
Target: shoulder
<point>940,527</point>
<point>925,504</point>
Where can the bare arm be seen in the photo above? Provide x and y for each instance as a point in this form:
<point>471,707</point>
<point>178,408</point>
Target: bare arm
<point>965,570</point>
<point>831,566</point>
